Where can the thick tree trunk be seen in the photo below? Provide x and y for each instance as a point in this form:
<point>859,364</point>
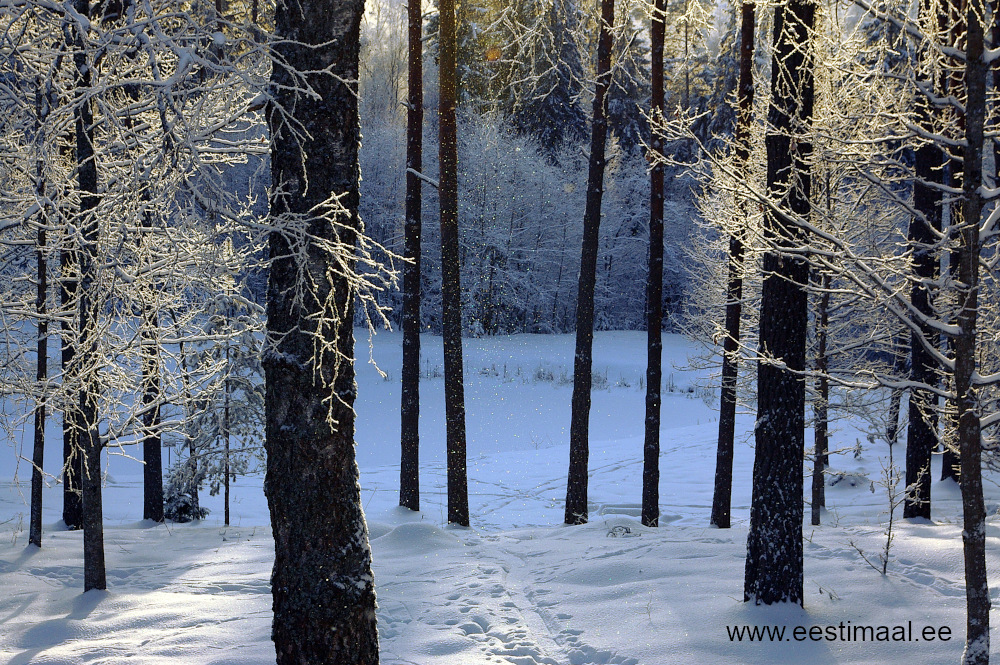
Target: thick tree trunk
<point>977,591</point>
<point>451,290</point>
<point>774,542</point>
<point>579,431</point>
<point>654,284</point>
<point>322,583</point>
<point>409,467</point>
<point>722,495</point>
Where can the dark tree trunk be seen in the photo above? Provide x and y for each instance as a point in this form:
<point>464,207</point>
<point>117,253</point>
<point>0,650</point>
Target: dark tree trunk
<point>821,414</point>
<point>921,431</point>
<point>41,376</point>
<point>152,448</point>
<point>42,331</point>
<point>922,419</point>
<point>774,542</point>
<point>654,284</point>
<point>89,439</point>
<point>722,496</point>
<point>409,467</point>
<point>579,430</point>
<point>451,290</point>
<point>227,392</point>
<point>72,462</point>
<point>977,591</point>
<point>322,584</point>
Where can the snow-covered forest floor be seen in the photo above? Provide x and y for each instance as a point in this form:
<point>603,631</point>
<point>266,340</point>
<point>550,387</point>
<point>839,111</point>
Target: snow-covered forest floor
<point>518,587</point>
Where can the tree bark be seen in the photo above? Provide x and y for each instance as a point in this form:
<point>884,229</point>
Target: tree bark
<point>821,411</point>
<point>579,431</point>
<point>722,495</point>
<point>409,467</point>
<point>451,290</point>
<point>654,285</point>
<point>921,431</point>
<point>977,592</point>
<point>152,445</point>
<point>72,513</point>
<point>774,542</point>
<point>322,584</point>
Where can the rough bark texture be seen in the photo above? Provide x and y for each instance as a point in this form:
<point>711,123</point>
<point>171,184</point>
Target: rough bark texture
<point>451,290</point>
<point>977,591</point>
<point>723,493</point>
<point>409,468</point>
<point>821,405</point>
<point>654,285</point>
<point>774,542</point>
<point>579,430</point>
<point>322,584</point>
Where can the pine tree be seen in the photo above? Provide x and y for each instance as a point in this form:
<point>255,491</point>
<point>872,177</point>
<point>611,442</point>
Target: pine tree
<point>654,289</point>
<point>630,84</point>
<point>539,74</point>
<point>451,290</point>
<point>579,433</point>
<point>409,467</point>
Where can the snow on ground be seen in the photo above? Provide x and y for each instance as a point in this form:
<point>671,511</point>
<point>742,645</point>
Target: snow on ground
<point>518,587</point>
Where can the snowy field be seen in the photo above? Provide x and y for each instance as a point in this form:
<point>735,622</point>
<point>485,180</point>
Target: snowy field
<point>518,587</point>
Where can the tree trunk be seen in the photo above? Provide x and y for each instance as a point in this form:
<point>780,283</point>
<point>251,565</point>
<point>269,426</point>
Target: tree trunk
<point>654,285</point>
<point>821,407</point>
<point>72,463</point>
<point>225,427</point>
<point>722,495</point>
<point>922,419</point>
<point>579,431</point>
<point>409,467</point>
<point>451,290</point>
<point>152,445</point>
<point>977,592</point>
<point>42,352</point>
<point>921,432</point>
<point>322,584</point>
<point>87,338</point>
<point>774,542</point>
<point>41,379</point>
